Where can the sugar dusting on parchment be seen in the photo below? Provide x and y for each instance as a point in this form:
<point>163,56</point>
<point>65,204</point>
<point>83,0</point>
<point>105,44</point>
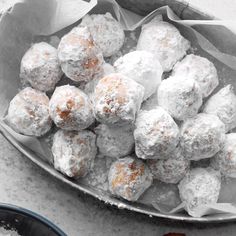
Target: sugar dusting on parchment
<point>162,194</point>
<point>98,175</point>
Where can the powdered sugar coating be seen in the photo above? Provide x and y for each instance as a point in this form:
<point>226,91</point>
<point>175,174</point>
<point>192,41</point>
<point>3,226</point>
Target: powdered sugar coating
<point>106,32</point>
<point>70,108</point>
<point>90,86</point>
<point>114,141</point>
<point>202,136</point>
<point>129,178</point>
<point>143,67</point>
<point>201,70</point>
<point>225,159</point>
<point>164,41</point>
<point>117,99</point>
<point>74,152</point>
<point>40,67</point>
<point>79,56</point>
<point>201,186</point>
<point>156,134</point>
<point>180,96</point>
<point>223,105</point>
<point>28,113</point>
<point>171,170</point>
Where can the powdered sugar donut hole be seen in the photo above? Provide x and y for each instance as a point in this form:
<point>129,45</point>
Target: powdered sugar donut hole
<point>74,152</point>
<point>202,136</point>
<point>70,108</point>
<point>171,170</point>
<point>201,186</point>
<point>225,159</point>
<point>143,67</point>
<point>164,41</point>
<point>201,70</point>
<point>223,105</point>
<point>156,134</point>
<point>117,99</point>
<point>28,113</point>
<point>129,178</point>
<point>79,56</point>
<point>107,32</point>
<point>40,67</point>
<point>180,96</point>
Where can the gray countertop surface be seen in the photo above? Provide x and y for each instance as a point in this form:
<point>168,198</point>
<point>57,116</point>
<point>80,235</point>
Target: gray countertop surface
<point>24,184</point>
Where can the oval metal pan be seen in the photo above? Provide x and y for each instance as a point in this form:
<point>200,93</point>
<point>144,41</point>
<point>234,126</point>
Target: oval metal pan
<point>108,199</point>
<point>182,9</point>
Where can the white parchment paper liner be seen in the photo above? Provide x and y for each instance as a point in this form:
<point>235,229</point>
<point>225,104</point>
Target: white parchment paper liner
<point>47,17</point>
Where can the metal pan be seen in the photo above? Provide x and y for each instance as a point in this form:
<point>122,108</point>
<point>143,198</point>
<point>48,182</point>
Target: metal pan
<point>184,11</point>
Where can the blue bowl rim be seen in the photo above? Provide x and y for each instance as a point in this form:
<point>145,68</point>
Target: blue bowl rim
<point>33,215</point>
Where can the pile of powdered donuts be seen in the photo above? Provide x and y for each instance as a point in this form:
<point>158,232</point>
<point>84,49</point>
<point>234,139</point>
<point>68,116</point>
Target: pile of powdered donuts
<point>107,114</point>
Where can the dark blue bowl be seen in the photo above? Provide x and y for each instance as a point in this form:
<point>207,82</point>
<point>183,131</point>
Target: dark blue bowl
<point>27,223</point>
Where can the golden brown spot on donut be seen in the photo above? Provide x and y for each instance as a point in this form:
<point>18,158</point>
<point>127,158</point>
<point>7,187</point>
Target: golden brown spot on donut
<point>90,43</point>
<point>64,115</point>
<point>46,55</point>
<point>123,177</point>
<point>75,39</point>
<point>81,141</point>
<point>31,113</point>
<point>87,43</point>
<point>70,103</point>
<point>132,165</point>
<point>120,177</point>
<point>90,63</point>
<point>106,110</point>
<point>111,84</point>
<point>136,171</point>
<point>121,100</point>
